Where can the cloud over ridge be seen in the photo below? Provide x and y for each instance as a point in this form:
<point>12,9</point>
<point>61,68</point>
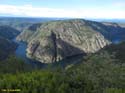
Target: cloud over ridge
<point>31,11</point>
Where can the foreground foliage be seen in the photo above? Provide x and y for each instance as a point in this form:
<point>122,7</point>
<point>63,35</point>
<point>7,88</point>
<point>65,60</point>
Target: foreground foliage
<point>14,65</point>
<point>7,47</point>
<point>98,74</point>
<point>102,72</point>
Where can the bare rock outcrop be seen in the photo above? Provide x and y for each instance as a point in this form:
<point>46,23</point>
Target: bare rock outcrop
<point>56,40</point>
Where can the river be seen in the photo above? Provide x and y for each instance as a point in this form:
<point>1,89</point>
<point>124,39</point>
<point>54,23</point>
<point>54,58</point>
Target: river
<point>21,53</point>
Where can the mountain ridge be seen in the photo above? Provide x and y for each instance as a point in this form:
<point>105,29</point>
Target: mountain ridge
<point>56,40</point>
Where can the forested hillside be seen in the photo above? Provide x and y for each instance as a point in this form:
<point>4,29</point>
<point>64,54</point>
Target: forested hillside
<point>8,32</point>
<point>7,47</point>
<point>102,72</point>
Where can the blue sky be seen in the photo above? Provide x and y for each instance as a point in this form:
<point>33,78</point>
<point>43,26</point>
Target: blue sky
<point>64,8</point>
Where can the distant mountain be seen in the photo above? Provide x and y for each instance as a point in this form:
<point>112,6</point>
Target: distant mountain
<point>112,31</point>
<point>21,23</point>
<point>27,19</point>
<point>110,20</point>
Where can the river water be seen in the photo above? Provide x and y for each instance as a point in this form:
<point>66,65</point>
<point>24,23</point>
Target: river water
<point>21,53</point>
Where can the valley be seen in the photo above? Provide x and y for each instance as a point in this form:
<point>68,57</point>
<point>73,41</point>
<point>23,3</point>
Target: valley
<point>64,38</point>
<point>62,56</point>
<point>81,36</point>
<point>62,46</point>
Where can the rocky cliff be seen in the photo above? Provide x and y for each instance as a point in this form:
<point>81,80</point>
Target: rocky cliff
<point>57,40</point>
<point>26,35</point>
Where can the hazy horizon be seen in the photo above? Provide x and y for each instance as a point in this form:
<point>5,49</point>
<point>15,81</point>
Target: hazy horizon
<point>88,9</point>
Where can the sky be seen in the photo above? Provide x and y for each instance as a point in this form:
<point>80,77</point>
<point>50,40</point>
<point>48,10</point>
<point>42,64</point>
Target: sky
<point>98,9</point>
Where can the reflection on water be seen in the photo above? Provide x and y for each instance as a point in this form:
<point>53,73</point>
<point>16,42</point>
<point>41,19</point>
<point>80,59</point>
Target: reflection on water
<point>21,50</point>
<point>21,53</point>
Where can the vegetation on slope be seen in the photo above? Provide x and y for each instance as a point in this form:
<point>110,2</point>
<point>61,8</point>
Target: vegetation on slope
<point>7,47</point>
<point>8,32</point>
<point>14,65</point>
<point>26,35</point>
<point>97,73</point>
<point>117,50</point>
<point>101,72</point>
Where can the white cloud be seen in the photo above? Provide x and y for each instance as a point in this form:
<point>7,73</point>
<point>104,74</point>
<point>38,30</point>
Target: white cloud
<point>30,11</point>
<point>119,4</point>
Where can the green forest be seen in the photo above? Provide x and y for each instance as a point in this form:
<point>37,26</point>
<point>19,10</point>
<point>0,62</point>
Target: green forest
<point>102,72</point>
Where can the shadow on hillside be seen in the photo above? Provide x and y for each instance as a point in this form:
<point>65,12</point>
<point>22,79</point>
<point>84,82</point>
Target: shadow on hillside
<point>111,32</point>
<point>117,50</point>
<point>70,53</point>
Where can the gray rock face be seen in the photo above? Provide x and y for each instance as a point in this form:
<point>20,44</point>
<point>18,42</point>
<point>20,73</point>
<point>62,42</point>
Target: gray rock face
<point>54,41</point>
<point>28,32</point>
